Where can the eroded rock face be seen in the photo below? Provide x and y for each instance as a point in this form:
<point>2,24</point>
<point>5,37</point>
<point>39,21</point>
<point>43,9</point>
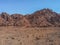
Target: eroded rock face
<point>1,21</point>
<point>20,20</point>
<point>41,18</point>
<point>44,18</point>
<point>8,19</point>
<point>13,20</point>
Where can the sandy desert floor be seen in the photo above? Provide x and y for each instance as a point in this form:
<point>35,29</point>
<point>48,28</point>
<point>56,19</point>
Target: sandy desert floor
<point>29,36</point>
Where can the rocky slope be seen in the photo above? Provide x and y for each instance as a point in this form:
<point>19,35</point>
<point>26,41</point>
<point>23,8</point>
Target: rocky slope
<point>41,18</point>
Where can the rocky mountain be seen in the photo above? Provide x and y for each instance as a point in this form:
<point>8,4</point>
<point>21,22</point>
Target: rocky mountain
<point>40,18</point>
<point>44,18</point>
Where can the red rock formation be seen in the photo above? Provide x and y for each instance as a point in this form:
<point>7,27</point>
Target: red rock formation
<point>41,18</point>
<point>44,18</point>
<point>20,20</point>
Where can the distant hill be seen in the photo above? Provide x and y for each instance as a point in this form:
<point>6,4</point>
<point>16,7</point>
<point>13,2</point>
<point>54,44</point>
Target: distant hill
<point>40,18</point>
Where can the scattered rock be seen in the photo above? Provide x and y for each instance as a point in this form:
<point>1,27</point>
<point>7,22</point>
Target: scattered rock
<point>41,18</point>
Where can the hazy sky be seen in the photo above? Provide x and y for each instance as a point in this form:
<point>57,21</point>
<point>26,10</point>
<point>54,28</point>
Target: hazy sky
<point>28,6</point>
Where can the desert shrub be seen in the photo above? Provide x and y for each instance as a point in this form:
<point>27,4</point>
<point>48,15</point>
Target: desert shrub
<point>37,38</point>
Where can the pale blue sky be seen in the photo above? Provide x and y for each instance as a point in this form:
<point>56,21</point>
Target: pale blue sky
<point>28,6</point>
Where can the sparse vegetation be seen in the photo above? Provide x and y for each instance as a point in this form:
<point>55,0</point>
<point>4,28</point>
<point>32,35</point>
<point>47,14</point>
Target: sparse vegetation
<point>29,36</point>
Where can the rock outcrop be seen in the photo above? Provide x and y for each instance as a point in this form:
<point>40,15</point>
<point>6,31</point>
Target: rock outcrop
<point>41,18</point>
<point>44,18</point>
